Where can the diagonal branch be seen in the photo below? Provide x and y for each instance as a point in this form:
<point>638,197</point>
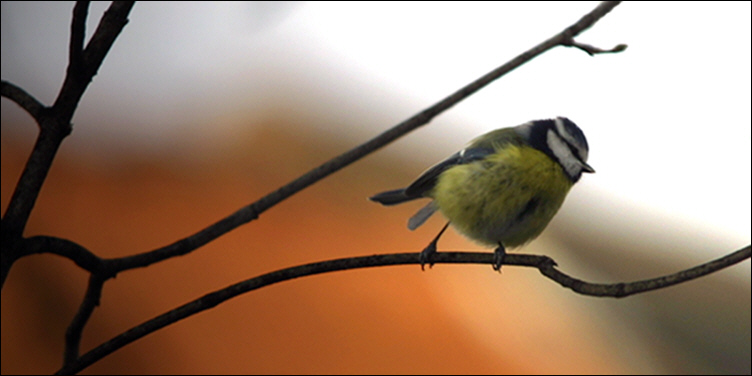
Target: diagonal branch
<point>543,263</point>
<point>252,211</point>
<point>620,290</point>
<point>84,64</point>
<point>78,34</point>
<point>75,329</point>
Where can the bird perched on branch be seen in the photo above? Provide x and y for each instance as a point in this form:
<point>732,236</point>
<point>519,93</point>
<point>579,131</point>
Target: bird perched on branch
<point>504,188</point>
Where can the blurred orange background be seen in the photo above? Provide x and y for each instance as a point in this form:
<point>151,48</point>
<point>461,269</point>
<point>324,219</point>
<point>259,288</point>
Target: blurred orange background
<point>385,320</point>
<point>450,319</point>
<point>189,121</point>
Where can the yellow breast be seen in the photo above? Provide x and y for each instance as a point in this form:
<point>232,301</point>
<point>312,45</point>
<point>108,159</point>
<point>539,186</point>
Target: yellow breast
<point>508,197</point>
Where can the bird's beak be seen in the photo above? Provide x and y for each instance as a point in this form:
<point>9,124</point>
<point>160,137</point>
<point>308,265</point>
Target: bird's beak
<point>586,167</point>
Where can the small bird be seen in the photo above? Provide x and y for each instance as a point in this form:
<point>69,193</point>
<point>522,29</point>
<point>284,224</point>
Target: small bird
<point>503,189</point>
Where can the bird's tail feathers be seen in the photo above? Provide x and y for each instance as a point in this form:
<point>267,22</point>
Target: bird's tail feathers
<point>421,216</point>
<point>393,197</point>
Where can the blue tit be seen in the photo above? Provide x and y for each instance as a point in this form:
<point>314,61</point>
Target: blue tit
<point>504,188</point>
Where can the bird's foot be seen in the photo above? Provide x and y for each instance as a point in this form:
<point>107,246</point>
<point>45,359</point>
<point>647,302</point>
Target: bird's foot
<point>499,254</point>
<point>425,255</point>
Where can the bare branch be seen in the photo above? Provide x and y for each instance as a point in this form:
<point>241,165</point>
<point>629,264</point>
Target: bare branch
<point>78,34</point>
<point>54,122</point>
<point>23,99</point>
<point>63,247</point>
<point>33,176</point>
<point>78,75</point>
<point>543,263</point>
<point>592,50</point>
<point>620,290</point>
<point>75,329</point>
<point>13,250</point>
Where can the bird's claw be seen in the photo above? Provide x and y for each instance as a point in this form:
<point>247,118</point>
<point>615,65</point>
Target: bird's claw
<point>499,254</point>
<point>425,256</point>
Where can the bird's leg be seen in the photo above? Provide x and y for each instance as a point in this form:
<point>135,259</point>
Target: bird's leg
<point>499,254</point>
<point>425,255</point>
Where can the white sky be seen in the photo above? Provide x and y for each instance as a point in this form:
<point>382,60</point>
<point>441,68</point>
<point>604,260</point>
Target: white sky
<point>668,120</point>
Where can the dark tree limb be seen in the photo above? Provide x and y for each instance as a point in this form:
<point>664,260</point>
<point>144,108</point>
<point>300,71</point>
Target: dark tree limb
<point>55,122</point>
<point>544,264</point>
<point>76,328</point>
<point>23,100</point>
<point>65,248</point>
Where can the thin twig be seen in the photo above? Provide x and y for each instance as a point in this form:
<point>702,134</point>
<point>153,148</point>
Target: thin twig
<point>75,329</point>
<point>78,34</point>
<point>78,78</point>
<point>592,50</point>
<point>23,99</point>
<point>620,290</point>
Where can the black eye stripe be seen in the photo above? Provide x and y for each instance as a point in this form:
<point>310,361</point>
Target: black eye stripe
<point>572,133</point>
<point>575,151</point>
<point>540,134</point>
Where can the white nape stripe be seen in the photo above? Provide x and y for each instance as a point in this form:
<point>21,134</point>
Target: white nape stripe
<point>524,130</point>
<point>563,154</point>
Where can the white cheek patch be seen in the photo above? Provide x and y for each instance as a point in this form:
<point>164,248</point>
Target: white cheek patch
<point>569,138</point>
<point>563,153</point>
